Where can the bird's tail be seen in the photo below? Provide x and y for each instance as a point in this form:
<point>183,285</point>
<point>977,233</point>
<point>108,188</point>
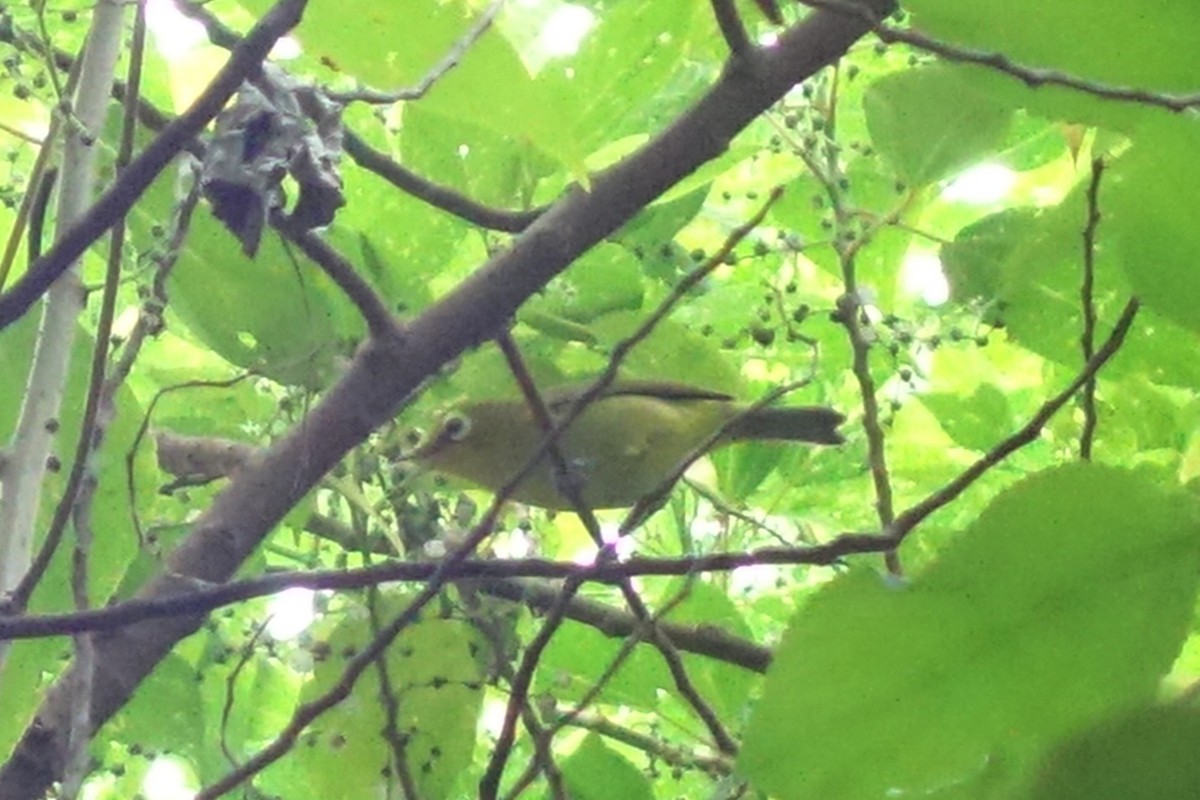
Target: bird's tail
<point>816,424</point>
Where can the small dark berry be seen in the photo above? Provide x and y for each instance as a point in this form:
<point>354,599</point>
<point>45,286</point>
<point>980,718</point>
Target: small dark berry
<point>763,335</point>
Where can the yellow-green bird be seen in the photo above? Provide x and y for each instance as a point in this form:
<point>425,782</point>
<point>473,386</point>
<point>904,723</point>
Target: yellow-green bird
<point>621,448</point>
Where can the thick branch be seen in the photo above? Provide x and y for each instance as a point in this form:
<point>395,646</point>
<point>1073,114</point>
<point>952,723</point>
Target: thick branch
<point>389,368</point>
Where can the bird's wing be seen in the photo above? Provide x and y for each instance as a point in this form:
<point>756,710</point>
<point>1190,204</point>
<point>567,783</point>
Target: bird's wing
<point>562,397</point>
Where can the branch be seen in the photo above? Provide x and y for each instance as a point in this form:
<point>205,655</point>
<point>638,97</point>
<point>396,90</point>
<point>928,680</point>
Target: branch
<point>370,159</point>
<point>1028,75</point>
<point>126,190</point>
<point>434,194</point>
<point>1087,301</point>
<point>200,599</point>
<point>715,766</point>
<point>368,302</point>
<point>489,783</point>
<point>730,23</point>
<point>436,73</point>
<point>387,370</point>
<point>909,519</point>
<point>1036,78</point>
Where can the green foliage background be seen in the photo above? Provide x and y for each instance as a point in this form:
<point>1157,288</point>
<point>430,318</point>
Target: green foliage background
<point>1043,641</point>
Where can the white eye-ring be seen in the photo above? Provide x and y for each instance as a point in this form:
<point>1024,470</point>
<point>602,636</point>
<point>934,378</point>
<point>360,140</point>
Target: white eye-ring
<point>456,427</point>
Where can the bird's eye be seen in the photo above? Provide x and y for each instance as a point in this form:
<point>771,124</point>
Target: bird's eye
<point>456,427</point>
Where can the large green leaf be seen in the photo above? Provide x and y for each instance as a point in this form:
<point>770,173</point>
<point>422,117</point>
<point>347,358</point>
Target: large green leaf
<point>725,686</point>
<point>623,79</point>
<point>1150,200</point>
<point>932,122</point>
<point>394,46</point>
<point>166,712</point>
<point>578,655</point>
<point>597,772</point>
<point>1147,755</point>
<point>436,677</point>
<point>975,421</point>
<point>1111,42</point>
<point>1067,600</point>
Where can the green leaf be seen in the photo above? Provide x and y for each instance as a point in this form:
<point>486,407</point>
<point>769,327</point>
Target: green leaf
<point>1029,266</point>
<point>277,314</point>
<point>578,655</point>
<point>1150,201</point>
<point>618,77</point>
<point>166,712</point>
<point>976,421</point>
<point>742,468</point>
<point>498,169</point>
<point>436,678</point>
<point>597,772</point>
<point>1155,50</point>
<point>650,235</point>
<point>1147,755</point>
<point>607,279</point>
<point>931,122</point>
<point>723,685</point>
<point>246,709</point>
<point>393,46</point>
<point>974,260</point>
<point>1067,600</point>
<point>671,352</point>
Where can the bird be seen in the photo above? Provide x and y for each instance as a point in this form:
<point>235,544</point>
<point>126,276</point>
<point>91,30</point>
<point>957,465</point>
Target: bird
<point>630,439</point>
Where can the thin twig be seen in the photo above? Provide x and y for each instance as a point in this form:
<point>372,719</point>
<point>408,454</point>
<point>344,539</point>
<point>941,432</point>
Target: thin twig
<point>207,598</point>
<point>35,197</point>
<point>231,687</point>
<point>305,714</point>
<point>61,92</point>
<point>149,324</point>
<point>846,245</point>
<point>379,319</point>
<point>732,28</point>
<point>1028,75</point>
<point>436,195</point>
<point>1087,301</point>
<point>542,761</point>
<point>142,171</point>
<point>913,516</point>
<point>439,70</point>
<point>489,784</point>
<point>144,428</point>
<point>715,766</point>
<point>573,493</point>
<point>628,645</point>
<point>391,708</point>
